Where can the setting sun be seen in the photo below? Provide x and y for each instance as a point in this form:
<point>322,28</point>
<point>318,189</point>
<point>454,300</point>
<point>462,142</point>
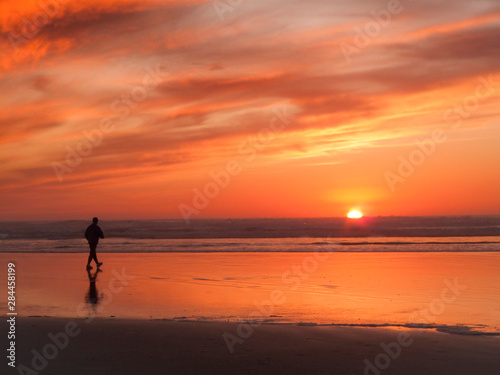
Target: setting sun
<point>354,214</point>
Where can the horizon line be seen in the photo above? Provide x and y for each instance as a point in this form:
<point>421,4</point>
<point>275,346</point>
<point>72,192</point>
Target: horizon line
<point>259,218</point>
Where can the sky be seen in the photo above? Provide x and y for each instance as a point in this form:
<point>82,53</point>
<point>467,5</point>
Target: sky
<point>211,109</point>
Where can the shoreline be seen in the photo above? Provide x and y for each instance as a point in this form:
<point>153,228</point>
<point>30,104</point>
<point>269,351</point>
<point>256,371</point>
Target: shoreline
<point>459,329</point>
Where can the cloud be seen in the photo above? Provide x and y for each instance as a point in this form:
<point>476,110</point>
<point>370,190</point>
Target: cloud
<point>224,79</point>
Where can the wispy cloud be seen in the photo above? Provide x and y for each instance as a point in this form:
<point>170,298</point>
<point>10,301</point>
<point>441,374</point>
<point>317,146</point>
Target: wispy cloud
<point>224,78</point>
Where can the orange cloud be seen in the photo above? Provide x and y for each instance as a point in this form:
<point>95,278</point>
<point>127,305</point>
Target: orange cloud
<point>221,81</point>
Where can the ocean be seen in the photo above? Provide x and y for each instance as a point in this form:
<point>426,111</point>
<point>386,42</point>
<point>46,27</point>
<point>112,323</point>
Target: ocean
<point>370,234</point>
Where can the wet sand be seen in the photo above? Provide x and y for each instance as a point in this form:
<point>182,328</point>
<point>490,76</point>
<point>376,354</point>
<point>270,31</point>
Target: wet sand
<point>116,346</point>
<point>451,289</point>
<point>175,313</point>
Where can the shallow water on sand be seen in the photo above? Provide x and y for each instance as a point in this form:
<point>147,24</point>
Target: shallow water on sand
<point>266,245</point>
<point>445,289</point>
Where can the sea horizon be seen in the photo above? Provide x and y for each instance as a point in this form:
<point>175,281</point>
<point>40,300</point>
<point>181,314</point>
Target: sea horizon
<point>378,234</point>
<point>390,226</point>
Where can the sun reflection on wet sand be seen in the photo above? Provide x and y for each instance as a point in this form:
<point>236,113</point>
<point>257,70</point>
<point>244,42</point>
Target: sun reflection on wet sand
<point>331,288</point>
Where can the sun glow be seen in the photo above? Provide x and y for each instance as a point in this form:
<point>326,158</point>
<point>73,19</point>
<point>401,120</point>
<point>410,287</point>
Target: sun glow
<point>354,214</point>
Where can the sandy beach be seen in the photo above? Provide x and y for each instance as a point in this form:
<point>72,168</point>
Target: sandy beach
<point>116,346</point>
<point>185,314</point>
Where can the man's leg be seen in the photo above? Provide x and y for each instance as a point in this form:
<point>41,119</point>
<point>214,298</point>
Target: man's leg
<point>95,255</point>
<point>92,254</point>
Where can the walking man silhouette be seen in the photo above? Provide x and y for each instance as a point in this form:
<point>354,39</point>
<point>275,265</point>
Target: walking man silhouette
<point>92,234</point>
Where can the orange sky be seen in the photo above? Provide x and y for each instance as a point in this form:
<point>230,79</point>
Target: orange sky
<point>311,105</point>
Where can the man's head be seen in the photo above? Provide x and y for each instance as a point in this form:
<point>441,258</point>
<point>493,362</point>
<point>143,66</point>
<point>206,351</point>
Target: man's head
<point>95,220</point>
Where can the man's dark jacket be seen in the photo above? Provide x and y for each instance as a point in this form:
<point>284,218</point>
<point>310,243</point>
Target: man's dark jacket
<point>93,233</point>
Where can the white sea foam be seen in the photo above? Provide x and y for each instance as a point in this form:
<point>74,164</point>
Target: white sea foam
<point>380,234</point>
<point>383,244</point>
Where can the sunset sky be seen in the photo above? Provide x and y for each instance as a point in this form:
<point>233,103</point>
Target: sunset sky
<point>133,109</point>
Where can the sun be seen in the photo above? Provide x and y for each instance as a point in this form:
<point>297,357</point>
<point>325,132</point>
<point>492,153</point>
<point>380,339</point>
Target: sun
<point>354,214</point>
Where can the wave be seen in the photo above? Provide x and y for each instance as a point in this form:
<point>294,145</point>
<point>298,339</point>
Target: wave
<point>257,245</point>
<point>407,243</point>
<point>200,251</point>
<point>444,226</point>
<point>466,330</point>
